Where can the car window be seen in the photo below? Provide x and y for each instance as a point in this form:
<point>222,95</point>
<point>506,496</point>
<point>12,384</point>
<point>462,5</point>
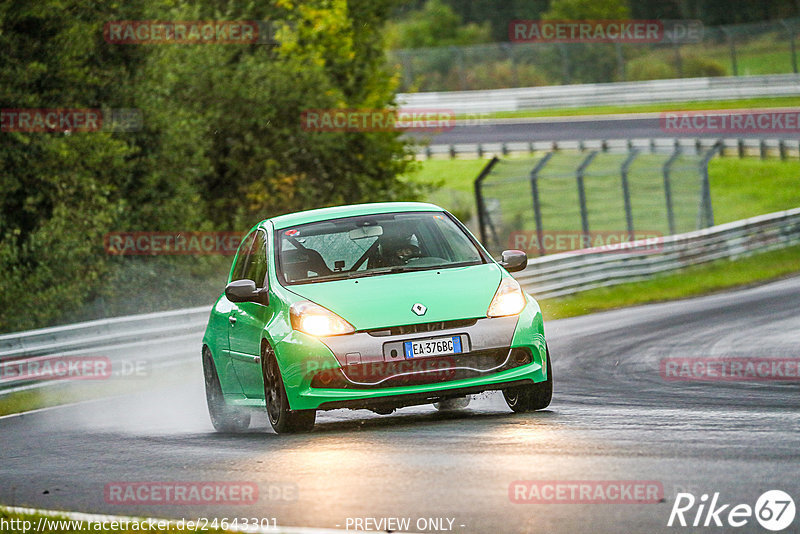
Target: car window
<point>237,273</point>
<point>365,245</point>
<point>256,269</point>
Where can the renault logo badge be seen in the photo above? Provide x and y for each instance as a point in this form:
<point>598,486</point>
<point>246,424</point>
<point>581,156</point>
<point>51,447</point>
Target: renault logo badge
<point>419,309</point>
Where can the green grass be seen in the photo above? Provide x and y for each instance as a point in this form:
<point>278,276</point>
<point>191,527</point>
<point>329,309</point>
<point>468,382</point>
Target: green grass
<point>740,188</point>
<point>747,103</point>
<point>689,282</point>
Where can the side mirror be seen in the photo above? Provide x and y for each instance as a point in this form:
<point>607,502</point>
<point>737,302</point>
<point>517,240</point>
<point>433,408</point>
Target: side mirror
<point>246,291</point>
<point>514,260</point>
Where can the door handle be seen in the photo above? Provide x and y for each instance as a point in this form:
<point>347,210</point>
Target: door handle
<point>232,320</point>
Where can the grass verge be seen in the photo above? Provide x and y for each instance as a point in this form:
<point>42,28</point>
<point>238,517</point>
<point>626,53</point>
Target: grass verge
<point>690,282</point>
<point>742,104</point>
<point>740,188</point>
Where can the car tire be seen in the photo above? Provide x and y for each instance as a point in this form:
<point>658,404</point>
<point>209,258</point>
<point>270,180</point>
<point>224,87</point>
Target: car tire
<point>531,397</point>
<point>283,419</point>
<point>224,418</point>
<point>449,405</point>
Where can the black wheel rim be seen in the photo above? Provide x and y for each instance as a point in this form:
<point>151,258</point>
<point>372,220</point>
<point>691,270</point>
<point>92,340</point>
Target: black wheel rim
<point>511,397</point>
<point>272,388</point>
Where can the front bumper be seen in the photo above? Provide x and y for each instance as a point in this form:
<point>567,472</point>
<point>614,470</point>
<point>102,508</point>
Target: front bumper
<point>486,365</point>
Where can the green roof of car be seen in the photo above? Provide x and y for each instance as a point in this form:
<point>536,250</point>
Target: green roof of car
<point>354,210</point>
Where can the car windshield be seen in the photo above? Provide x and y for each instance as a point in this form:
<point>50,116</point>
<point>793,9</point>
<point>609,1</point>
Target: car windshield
<point>373,245</point>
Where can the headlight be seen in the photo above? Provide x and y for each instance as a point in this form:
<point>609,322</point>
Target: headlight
<point>508,299</point>
<point>317,321</point>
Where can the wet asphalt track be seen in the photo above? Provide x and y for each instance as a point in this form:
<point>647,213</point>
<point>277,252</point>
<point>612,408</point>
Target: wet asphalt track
<point>636,126</point>
<point>612,418</point>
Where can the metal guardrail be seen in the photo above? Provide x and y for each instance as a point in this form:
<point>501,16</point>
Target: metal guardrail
<point>597,94</point>
<point>114,338</point>
<point>571,272</point>
<point>176,333</point>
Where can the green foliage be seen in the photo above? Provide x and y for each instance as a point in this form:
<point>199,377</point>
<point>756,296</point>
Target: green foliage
<point>587,10</point>
<point>221,145</point>
<point>435,24</point>
<point>695,66</point>
<point>648,68</point>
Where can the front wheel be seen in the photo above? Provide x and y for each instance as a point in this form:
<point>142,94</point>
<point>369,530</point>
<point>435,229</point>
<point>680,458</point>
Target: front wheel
<point>281,417</point>
<point>224,418</point>
<point>531,397</point>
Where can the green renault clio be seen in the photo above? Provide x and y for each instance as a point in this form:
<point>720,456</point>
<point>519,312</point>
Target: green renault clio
<point>371,306</point>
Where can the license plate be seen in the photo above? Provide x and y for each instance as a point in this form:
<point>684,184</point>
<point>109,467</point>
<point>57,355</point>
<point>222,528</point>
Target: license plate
<point>432,347</point>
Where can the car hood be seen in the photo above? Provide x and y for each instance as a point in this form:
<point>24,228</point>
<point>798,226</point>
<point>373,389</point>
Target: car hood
<point>386,300</point>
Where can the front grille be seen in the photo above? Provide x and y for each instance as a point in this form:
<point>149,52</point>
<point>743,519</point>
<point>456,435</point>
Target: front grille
<point>421,328</point>
<point>421,371</point>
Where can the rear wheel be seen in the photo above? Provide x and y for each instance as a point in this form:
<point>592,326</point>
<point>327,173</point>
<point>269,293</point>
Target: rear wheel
<point>281,417</point>
<point>224,418</point>
<point>531,397</point>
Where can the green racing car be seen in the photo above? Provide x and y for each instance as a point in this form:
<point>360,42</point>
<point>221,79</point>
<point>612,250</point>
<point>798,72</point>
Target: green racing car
<point>374,306</point>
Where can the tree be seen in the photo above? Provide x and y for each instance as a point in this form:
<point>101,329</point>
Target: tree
<point>587,10</point>
<point>436,24</point>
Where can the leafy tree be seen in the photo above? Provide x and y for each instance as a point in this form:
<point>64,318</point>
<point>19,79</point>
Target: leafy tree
<point>221,144</point>
<point>436,24</point>
<point>587,10</point>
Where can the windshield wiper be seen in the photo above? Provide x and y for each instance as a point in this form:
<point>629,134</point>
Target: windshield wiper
<point>376,272</point>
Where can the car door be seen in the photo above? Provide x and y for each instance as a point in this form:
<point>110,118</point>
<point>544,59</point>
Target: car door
<point>247,321</point>
<point>225,369</point>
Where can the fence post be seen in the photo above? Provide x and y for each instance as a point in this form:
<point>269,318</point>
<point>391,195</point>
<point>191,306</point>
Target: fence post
<point>565,77</point>
<point>707,212</point>
<point>678,58</point>
<point>626,194</point>
<point>668,188</point>
<point>792,48</point>
<point>732,43</point>
<point>582,197</point>
<point>620,61</point>
<point>482,215</point>
<point>537,212</point>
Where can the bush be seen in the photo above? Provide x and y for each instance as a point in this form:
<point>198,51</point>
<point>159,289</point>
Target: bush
<point>701,67</point>
<point>647,68</point>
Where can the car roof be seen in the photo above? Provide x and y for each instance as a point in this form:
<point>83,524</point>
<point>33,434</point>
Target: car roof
<point>353,210</point>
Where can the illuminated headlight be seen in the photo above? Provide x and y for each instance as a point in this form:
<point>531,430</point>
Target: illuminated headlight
<point>508,299</point>
<point>317,321</point>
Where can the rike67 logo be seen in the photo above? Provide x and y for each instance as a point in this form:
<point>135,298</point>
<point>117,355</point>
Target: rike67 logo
<point>774,510</point>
